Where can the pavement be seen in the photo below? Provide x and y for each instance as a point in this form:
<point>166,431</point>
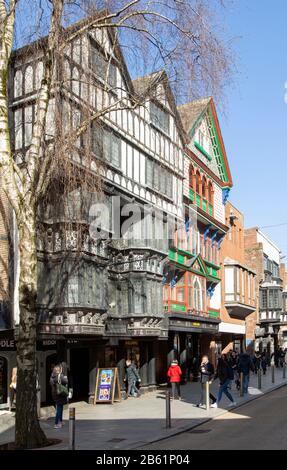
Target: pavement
<point>137,422</point>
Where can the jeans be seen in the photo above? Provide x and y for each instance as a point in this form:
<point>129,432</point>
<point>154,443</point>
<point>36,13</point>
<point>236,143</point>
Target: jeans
<point>245,383</point>
<point>175,386</point>
<point>59,414</point>
<point>203,394</point>
<point>224,389</point>
<point>132,389</point>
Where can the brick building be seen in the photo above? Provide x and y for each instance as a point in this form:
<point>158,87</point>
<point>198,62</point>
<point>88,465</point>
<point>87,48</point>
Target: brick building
<point>264,324</point>
<point>238,286</point>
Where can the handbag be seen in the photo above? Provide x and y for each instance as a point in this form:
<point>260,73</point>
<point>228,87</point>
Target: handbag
<point>61,390</point>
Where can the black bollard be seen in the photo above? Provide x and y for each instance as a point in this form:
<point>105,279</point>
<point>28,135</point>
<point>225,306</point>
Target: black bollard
<point>273,373</point>
<point>241,384</point>
<point>167,408</point>
<point>259,379</point>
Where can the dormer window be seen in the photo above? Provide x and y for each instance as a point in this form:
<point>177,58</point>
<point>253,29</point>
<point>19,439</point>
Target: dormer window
<point>159,118</point>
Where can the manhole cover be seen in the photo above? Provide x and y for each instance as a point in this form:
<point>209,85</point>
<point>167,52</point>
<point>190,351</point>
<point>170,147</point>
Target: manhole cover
<point>199,431</point>
<point>116,439</point>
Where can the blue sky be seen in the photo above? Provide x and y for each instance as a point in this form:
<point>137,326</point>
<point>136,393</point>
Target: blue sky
<point>255,127</point>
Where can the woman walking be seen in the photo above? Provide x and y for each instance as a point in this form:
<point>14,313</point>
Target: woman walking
<point>225,374</point>
<point>174,373</point>
<point>60,392</point>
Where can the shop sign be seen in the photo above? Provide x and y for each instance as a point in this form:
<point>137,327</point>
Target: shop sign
<point>193,325</point>
<point>131,343</point>
<point>7,345</point>
<point>108,387</point>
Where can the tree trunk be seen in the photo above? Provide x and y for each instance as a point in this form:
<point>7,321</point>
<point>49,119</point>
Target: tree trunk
<point>28,432</point>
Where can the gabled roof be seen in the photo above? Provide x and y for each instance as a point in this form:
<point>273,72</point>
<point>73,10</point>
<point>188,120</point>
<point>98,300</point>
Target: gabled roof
<point>191,112</point>
<point>192,115</point>
<point>145,85</point>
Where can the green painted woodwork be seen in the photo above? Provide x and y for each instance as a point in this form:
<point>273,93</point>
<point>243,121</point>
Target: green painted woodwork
<point>201,149</point>
<point>209,263</point>
<point>204,205</point>
<point>213,314</point>
<point>191,194</point>
<point>171,255</point>
<point>210,209</point>
<point>214,272</point>
<point>216,146</point>
<point>198,198</point>
<point>180,259</point>
<point>178,308</point>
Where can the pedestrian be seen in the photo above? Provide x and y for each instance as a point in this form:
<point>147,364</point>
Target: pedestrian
<point>174,373</point>
<point>225,374</point>
<point>245,365</point>
<point>13,386</point>
<point>264,363</point>
<point>131,379</point>
<point>234,365</point>
<point>206,372</point>
<point>257,361</point>
<point>60,392</point>
<point>281,357</point>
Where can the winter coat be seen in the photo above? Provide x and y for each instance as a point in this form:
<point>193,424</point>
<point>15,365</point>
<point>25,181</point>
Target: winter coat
<point>174,373</point>
<point>224,371</point>
<point>58,399</point>
<point>245,364</point>
<point>206,372</point>
<point>132,374</point>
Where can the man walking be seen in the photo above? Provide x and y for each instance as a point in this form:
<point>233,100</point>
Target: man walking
<point>245,365</point>
<point>132,377</point>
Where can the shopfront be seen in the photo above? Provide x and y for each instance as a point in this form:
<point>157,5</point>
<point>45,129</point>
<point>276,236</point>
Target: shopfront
<point>7,362</point>
<point>189,339</point>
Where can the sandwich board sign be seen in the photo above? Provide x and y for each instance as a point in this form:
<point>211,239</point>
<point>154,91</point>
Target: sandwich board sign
<point>108,387</point>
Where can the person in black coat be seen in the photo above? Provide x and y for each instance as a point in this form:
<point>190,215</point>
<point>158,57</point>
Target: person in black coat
<point>206,373</point>
<point>225,374</point>
<point>245,365</point>
<point>131,379</point>
<point>60,399</point>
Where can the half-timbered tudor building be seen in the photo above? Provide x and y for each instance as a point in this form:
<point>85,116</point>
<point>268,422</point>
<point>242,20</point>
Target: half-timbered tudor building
<point>149,291</point>
<point>100,301</point>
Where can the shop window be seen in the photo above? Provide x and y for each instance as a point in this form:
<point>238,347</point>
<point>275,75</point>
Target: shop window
<point>3,380</point>
<point>198,304</point>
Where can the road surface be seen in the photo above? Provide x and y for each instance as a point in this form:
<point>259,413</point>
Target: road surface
<point>260,424</point>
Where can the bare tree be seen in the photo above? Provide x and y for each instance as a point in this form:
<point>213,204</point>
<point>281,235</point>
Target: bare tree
<point>176,36</point>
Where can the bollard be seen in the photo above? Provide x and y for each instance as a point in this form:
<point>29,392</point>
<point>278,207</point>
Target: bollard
<point>241,384</point>
<point>167,408</point>
<point>259,379</point>
<point>72,423</point>
<point>273,373</point>
<point>207,395</point>
<point>284,371</point>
